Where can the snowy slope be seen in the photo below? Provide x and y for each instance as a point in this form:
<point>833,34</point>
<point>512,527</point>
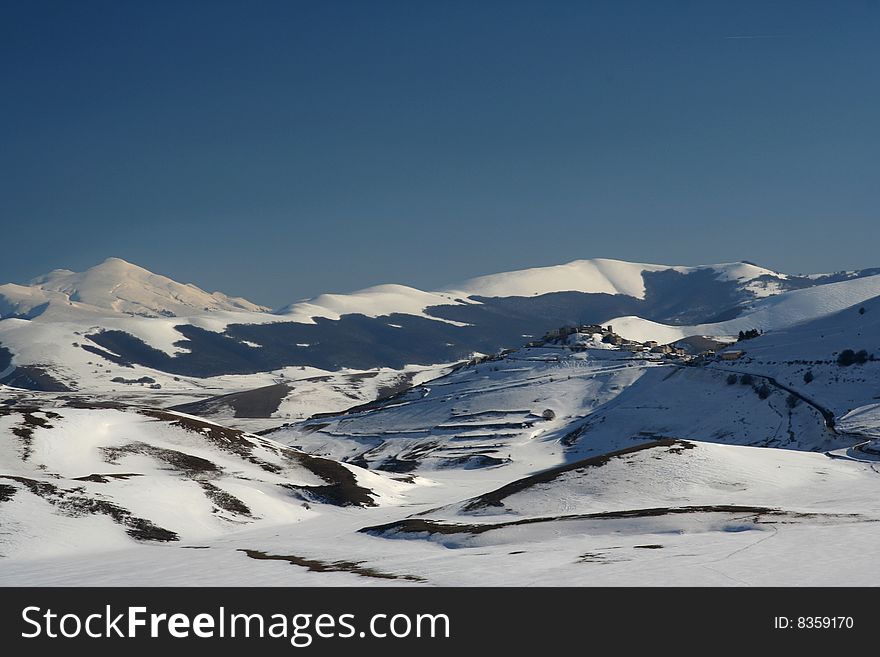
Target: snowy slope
<point>768,314</point>
<point>91,479</point>
<point>492,414</point>
<point>710,515</point>
<point>294,394</point>
<point>371,302</point>
<point>673,513</point>
<point>813,346</point>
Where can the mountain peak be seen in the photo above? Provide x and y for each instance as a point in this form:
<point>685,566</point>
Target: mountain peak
<point>117,286</point>
<point>114,262</point>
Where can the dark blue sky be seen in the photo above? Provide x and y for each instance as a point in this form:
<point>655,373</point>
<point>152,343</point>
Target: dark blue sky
<point>279,150</point>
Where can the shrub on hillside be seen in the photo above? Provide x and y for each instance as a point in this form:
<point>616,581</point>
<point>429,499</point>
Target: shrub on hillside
<point>849,357</point>
<point>748,335</point>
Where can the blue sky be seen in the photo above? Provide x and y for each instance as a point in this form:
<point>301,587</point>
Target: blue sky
<point>277,150</point>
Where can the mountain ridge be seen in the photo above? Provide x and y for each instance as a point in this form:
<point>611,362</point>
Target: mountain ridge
<point>79,328</point>
<point>93,288</point>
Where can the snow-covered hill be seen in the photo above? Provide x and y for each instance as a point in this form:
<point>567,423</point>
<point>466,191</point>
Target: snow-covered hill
<point>114,287</point>
<point>97,479</point>
<point>669,513</point>
<point>769,314</point>
<point>377,301</point>
<point>541,405</point>
<point>604,276</point>
<point>805,357</point>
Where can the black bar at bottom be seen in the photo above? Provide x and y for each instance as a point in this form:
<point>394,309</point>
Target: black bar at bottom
<point>417,620</point>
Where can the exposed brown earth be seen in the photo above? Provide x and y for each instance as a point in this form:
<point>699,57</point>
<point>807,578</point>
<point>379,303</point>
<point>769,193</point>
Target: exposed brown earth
<point>74,503</point>
<point>317,566</point>
<point>760,514</point>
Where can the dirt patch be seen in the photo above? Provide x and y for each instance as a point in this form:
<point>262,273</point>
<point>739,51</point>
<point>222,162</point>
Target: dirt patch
<point>599,557</point>
<point>431,527</point>
<point>230,440</point>
<point>496,498</point>
<point>105,478</point>
<point>40,488</point>
<point>653,546</point>
<point>234,441</point>
<point>223,500</point>
<point>360,376</point>
<point>91,404</point>
<point>138,528</point>
<point>193,467</point>
<point>30,422</point>
<point>6,492</point>
<point>317,566</point>
<point>73,503</point>
<point>341,489</point>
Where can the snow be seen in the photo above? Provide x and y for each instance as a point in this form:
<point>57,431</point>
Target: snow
<point>864,420</point>
<point>704,549</point>
<point>311,391</point>
<point>813,346</point>
<point>756,490</point>
<point>375,301</point>
<point>771,313</point>
<point>605,398</point>
<point>67,307</point>
<point>598,275</point>
<point>77,443</point>
<point>115,287</point>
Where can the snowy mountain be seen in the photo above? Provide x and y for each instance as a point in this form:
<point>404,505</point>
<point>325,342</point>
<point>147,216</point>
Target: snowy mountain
<point>114,287</point>
<point>604,276</point>
<point>66,330</point>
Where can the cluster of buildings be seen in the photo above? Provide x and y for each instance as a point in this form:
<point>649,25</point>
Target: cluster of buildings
<point>563,335</point>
